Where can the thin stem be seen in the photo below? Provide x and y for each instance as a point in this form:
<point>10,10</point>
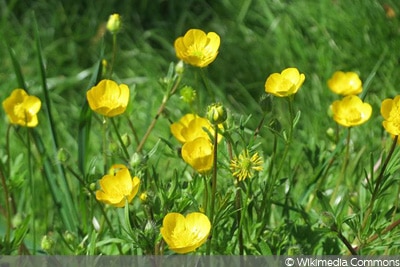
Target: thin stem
<point>238,206</point>
<point>211,93</point>
<point>33,195</point>
<point>289,137</point>
<point>213,185</point>
<point>168,94</point>
<point>8,208</point>
<point>126,154</point>
<point>379,180</point>
<point>105,142</point>
<point>114,54</point>
<point>344,166</point>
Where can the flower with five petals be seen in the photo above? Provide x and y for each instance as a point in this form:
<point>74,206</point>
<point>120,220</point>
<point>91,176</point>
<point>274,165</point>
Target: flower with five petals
<point>351,111</point>
<point>22,108</point>
<point>185,234</point>
<point>117,187</point>
<point>108,98</point>
<point>345,83</point>
<point>286,83</point>
<point>197,48</point>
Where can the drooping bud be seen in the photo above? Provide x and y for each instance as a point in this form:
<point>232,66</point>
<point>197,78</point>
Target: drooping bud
<point>216,113</point>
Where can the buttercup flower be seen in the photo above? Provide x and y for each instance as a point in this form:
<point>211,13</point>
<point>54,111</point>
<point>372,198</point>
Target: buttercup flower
<point>185,234</point>
<point>190,127</point>
<point>351,111</point>
<point>245,165</point>
<point>197,48</point>
<point>108,98</point>
<point>198,153</point>
<point>118,186</point>
<point>345,83</point>
<point>390,110</point>
<point>285,83</point>
<point>22,108</point>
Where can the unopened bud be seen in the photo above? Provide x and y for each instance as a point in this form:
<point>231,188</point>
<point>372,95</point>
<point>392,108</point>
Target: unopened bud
<point>47,243</point>
<point>179,67</point>
<point>216,113</point>
<point>114,23</point>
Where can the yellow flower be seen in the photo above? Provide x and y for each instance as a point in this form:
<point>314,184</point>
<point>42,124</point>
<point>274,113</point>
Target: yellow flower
<point>345,83</point>
<point>190,127</point>
<point>114,23</point>
<point>185,234</point>
<point>22,108</point>
<point>390,110</point>
<point>108,98</point>
<point>198,153</point>
<point>197,48</point>
<point>246,165</point>
<point>285,83</point>
<point>118,187</point>
<point>351,111</point>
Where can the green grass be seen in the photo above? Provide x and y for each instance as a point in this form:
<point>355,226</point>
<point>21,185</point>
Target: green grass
<point>284,213</point>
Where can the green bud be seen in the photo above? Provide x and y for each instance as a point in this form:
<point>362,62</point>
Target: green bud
<point>114,23</point>
<point>69,237</point>
<point>47,243</point>
<point>179,67</point>
<point>136,159</point>
<point>216,113</point>
<point>92,186</point>
<point>126,140</point>
<point>328,219</point>
<point>62,155</point>
<point>188,94</point>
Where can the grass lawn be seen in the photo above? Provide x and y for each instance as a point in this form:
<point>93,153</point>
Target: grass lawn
<point>312,186</point>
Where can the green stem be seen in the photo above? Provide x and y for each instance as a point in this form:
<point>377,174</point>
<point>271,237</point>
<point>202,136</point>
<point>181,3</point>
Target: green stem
<point>166,97</point>
<point>114,54</point>
<point>289,137</point>
<point>344,166</point>
<point>210,92</point>
<point>7,203</point>
<point>126,154</point>
<point>33,195</point>
<point>378,183</point>
<point>105,142</point>
<point>213,186</point>
<point>238,206</point>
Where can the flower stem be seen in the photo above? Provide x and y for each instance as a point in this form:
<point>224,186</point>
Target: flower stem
<point>7,202</point>
<point>126,154</point>
<point>378,183</point>
<point>344,166</point>
<point>105,142</point>
<point>290,136</point>
<point>168,94</point>
<point>213,186</point>
<point>33,195</point>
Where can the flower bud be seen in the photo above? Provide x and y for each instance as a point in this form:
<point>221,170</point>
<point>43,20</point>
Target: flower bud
<point>114,23</point>
<point>47,243</point>
<point>62,155</point>
<point>126,140</point>
<point>143,197</point>
<point>188,94</point>
<point>179,67</point>
<point>216,113</point>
